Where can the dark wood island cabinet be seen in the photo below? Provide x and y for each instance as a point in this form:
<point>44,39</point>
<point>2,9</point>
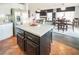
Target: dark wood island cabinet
<point>32,44</point>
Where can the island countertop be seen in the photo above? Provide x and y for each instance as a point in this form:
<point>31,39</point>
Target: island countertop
<point>38,30</point>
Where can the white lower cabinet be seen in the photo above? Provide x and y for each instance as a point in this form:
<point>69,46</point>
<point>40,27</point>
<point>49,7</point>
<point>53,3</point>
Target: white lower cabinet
<point>6,31</point>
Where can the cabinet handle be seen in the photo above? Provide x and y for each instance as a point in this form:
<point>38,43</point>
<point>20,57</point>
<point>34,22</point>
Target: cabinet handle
<point>29,37</point>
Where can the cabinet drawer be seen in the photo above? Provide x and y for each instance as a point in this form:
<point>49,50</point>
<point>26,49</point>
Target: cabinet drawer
<point>20,42</point>
<point>32,37</point>
<point>32,48</point>
<point>18,35</point>
<point>19,31</point>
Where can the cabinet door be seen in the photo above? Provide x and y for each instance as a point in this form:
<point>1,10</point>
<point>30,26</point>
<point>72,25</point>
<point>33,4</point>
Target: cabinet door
<point>20,41</point>
<point>31,48</point>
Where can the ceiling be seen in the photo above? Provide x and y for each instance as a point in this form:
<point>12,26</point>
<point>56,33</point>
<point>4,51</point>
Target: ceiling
<point>36,6</point>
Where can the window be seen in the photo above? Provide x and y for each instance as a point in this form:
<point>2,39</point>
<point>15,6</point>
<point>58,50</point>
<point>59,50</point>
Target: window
<point>59,15</point>
<point>37,16</point>
<point>49,16</point>
<point>68,15</point>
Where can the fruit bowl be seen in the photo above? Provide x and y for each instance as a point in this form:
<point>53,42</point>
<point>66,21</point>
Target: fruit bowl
<point>34,24</point>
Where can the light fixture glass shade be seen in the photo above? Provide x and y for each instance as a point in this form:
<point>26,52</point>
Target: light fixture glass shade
<point>38,10</point>
<point>63,8</point>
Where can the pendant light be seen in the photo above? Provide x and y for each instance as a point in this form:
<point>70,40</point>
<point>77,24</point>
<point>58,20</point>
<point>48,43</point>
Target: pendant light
<point>63,7</point>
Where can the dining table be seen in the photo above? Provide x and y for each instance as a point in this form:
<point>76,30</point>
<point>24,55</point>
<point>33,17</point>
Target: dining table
<point>62,23</point>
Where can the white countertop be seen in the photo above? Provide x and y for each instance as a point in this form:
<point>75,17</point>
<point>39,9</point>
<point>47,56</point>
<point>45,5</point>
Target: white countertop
<point>5,23</point>
<point>39,30</point>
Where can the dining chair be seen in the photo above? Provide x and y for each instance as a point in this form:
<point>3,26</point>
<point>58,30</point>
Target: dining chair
<point>76,22</point>
<point>62,24</point>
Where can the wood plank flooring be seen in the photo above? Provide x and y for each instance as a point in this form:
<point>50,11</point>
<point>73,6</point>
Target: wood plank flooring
<point>10,47</point>
<point>62,49</point>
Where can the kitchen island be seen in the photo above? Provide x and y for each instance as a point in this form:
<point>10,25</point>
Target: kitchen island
<point>34,40</point>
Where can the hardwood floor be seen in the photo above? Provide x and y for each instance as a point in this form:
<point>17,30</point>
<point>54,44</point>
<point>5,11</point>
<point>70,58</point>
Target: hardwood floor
<point>10,47</point>
<point>62,49</point>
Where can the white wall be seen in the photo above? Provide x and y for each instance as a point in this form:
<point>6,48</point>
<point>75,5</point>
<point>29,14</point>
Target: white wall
<point>6,7</point>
